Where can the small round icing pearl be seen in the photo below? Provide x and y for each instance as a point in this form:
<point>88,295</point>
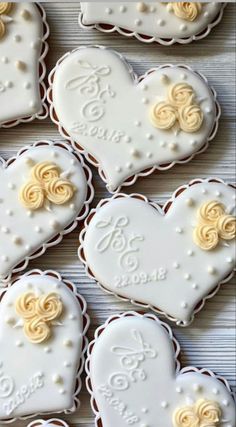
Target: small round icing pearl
<point>11,186</point>
<point>33,104</point>
<point>184,304</point>
<point>38,229</point>
<point>225,402</point>
<point>144,410</point>
<point>196,387</point>
<point>206,14</point>
<point>149,136</point>
<point>149,155</point>
<point>19,344</point>
<point>179,230</point>
<point>4,258</point>
<point>173,146</point>
<point>129,165</point>
<point>161,22</point>
<point>208,110</point>
<point>189,202</point>
<point>34,44</point>
<point>211,270</point>
<point>72,206</point>
<point>67,364</point>
<point>193,142</point>
<point>10,320</point>
<point>163,144</point>
<point>5,230</point>
<point>229,260</point>
<point>8,84</point>
<point>176,265</point>
<point>144,100</point>
<point>190,252</point>
<point>137,123</point>
<point>67,343</point>
<point>187,276</point>
<point>29,213</point>
<point>62,391</point>
<point>179,390</point>
<point>215,391</point>
<point>118,169</point>
<point>54,224</point>
<point>5,59</point>
<point>25,14</point>
<point>17,240</point>
<point>183,27</point>
<point>204,191</point>
<point>138,21</point>
<point>164,79</point>
<point>47,350</point>
<point>108,10</point>
<point>195,286</point>
<point>127,139</point>
<point>57,379</point>
<point>134,152</point>
<point>164,404</point>
<point>123,8</point>
<point>72,316</point>
<point>17,38</point>
<point>141,7</point>
<point>20,65</point>
<point>183,76</point>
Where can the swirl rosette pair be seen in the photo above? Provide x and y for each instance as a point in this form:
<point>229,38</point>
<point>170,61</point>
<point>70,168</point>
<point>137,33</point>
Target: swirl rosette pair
<point>214,224</point>
<point>180,108</point>
<point>204,413</point>
<point>45,184</point>
<point>186,10</point>
<point>5,9</point>
<point>38,313</point>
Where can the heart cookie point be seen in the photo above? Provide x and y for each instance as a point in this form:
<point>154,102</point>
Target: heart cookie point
<point>155,127</point>
<point>155,255</point>
<point>40,302</point>
<point>140,375</point>
<point>36,195</point>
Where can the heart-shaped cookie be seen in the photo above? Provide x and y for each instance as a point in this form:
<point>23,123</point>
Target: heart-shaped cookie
<point>165,23</point>
<point>23,47</point>
<point>53,422</point>
<point>125,125</point>
<point>141,383</point>
<point>45,190</point>
<point>43,322</point>
<point>169,259</point>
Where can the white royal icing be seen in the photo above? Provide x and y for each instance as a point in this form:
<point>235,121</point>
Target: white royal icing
<point>103,107</point>
<point>28,370</point>
<point>53,422</point>
<point>151,257</point>
<point>157,20</point>
<point>16,242</point>
<point>139,384</point>
<point>20,49</point>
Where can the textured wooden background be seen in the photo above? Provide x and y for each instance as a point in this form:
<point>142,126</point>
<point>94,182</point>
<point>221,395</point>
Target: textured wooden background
<point>210,341</point>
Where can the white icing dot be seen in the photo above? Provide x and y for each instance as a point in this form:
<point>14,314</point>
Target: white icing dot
<point>173,146</point>
<point>179,390</point>
<point>54,154</point>
<point>137,123</point>
<point>229,260</point>
<point>129,165</point>
<point>134,152</point>
<point>164,404</point>
<point>17,240</point>
<point>62,391</point>
<point>73,162</point>
<point>34,44</point>
<point>215,391</point>
<point>211,270</point>
<point>5,230</point>
<point>206,14</point>
<point>29,285</point>
<point>163,144</point>
<point>196,387</point>
<point>149,155</point>
<point>127,139</point>
<point>208,110</point>
<point>25,14</point>
<point>183,27</point>
<point>8,84</point>
<point>144,410</point>
<point>218,193</point>
<point>183,76</point>
<point>149,136</point>
<point>72,316</point>
<point>123,8</point>
<point>67,364</point>
<point>29,213</point>
<point>9,212</point>
<point>195,286</point>
<point>138,21</point>
<point>26,85</point>
<point>72,206</point>
<point>144,100</point>
<point>47,350</point>
<point>204,191</point>
<point>141,7</point>
<point>143,86</point>
<point>108,10</point>
<point>20,65</point>
<point>179,230</point>
<point>5,60</point>
<point>11,186</point>
<point>152,9</point>
<point>187,276</point>
<point>164,78</point>
<point>4,258</point>
<point>184,304</point>
<point>54,224</point>
<point>33,104</point>
<point>19,344</point>
<point>67,343</point>
<point>10,320</point>
<point>118,169</point>
<point>28,247</point>
<point>189,202</point>
<point>190,252</point>
<point>17,38</point>
<point>193,142</point>
<point>225,402</point>
<point>161,22</point>
<point>38,229</point>
<point>176,265</point>
<point>57,379</point>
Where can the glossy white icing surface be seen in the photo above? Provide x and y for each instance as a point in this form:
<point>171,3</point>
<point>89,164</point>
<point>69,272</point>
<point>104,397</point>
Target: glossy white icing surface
<point>158,20</point>
<point>103,107</point>
<point>19,84</point>
<point>151,257</point>
<point>35,228</point>
<point>28,371</point>
<point>139,386</point>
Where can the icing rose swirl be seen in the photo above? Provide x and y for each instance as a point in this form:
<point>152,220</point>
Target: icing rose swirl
<point>163,115</point>
<point>186,10</point>
<point>59,191</point>
<point>45,184</point>
<point>214,224</point>
<point>38,313</point>
<point>32,196</point>
<point>226,226</point>
<point>204,413</point>
<point>180,94</point>
<point>206,237</point>
<point>5,8</point>
<point>208,412</point>
<point>190,118</point>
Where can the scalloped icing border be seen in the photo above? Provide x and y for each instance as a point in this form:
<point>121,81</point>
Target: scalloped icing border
<point>86,323</point>
<point>42,86</point>
<point>131,180</point>
<point>177,348</point>
<point>148,39</point>
<point>80,216</point>
<point>47,423</point>
<point>161,209</point>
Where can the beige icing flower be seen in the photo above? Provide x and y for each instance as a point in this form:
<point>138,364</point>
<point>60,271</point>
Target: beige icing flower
<point>208,412</point>
<point>163,115</point>
<point>5,8</point>
<point>37,313</point>
<point>211,211</point>
<point>190,118</point>
<point>44,172</point>
<point>186,10</point>
<point>32,196</point>
<point>185,417</point>
<point>226,226</point>
<point>180,94</point>
<point>59,191</point>
<point>206,236</point>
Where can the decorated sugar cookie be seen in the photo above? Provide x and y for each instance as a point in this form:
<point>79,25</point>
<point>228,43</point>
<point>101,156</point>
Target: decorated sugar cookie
<point>53,422</point>
<point>170,259</point>
<point>43,322</point>
<point>141,383</point>
<point>45,190</point>
<point>129,126</point>
<point>165,23</point>
<point>23,47</point>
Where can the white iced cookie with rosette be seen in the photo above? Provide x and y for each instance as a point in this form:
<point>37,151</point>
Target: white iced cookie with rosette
<point>23,47</point>
<point>53,422</point>
<point>141,381</point>
<point>170,259</point>
<point>45,190</point>
<point>165,23</point>
<point>129,126</point>
<point>43,322</point>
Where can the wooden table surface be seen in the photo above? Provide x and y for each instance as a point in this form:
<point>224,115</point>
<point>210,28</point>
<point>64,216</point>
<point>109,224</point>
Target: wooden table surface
<point>210,341</point>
